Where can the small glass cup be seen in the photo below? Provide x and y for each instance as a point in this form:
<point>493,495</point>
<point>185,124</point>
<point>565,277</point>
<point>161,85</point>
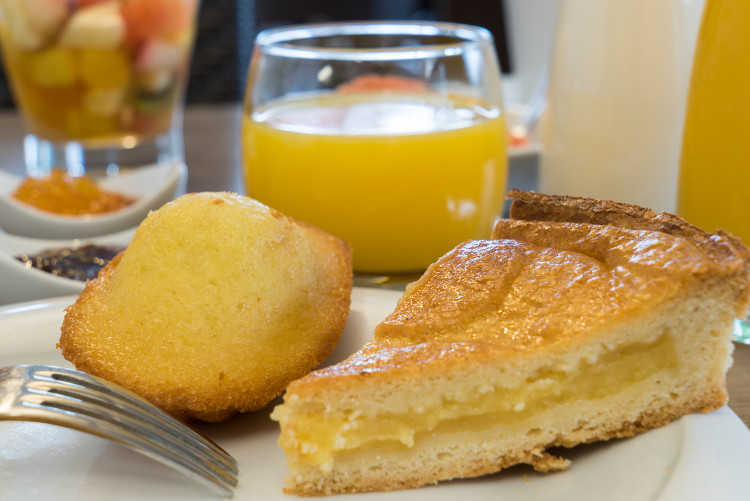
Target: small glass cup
<point>100,83</point>
<point>390,135</point>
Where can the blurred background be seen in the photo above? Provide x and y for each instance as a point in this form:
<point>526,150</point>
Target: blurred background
<point>523,31</point>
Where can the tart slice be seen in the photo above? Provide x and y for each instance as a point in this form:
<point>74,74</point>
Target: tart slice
<point>603,320</point>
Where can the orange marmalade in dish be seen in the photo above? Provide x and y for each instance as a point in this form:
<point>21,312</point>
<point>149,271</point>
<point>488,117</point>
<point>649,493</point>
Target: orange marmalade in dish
<point>65,194</point>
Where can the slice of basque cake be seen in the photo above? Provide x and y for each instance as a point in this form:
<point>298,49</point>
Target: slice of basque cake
<point>582,320</point>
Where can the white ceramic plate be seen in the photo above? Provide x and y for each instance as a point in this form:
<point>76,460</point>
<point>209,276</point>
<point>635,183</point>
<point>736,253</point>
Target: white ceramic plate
<point>152,185</point>
<point>19,283</point>
<point>698,457</point>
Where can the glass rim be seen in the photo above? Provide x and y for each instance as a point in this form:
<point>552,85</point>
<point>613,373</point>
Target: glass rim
<point>277,41</point>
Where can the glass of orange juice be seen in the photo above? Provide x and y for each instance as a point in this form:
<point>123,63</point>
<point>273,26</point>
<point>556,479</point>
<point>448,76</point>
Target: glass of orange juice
<point>99,82</point>
<point>390,135</point>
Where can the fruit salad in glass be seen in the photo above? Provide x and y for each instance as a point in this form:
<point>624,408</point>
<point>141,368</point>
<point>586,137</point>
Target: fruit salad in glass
<point>99,72</point>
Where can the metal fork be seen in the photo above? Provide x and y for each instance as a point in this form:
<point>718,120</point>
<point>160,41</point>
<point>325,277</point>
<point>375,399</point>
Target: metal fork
<point>77,400</point>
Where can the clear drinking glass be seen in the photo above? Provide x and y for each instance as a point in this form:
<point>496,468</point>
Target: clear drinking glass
<point>99,83</point>
<point>390,135</point>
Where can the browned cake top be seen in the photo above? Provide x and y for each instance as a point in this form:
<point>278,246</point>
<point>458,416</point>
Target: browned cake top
<point>543,284</point>
<point>532,206</point>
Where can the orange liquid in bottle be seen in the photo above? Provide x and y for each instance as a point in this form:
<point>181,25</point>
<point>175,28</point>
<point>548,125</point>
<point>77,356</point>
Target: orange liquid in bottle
<point>715,163</point>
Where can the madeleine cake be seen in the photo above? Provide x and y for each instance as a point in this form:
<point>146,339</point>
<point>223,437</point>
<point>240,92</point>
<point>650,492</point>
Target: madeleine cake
<point>214,307</point>
<point>604,321</point>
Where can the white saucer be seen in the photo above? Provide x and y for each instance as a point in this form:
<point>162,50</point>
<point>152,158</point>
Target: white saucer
<point>20,283</point>
<point>152,185</point>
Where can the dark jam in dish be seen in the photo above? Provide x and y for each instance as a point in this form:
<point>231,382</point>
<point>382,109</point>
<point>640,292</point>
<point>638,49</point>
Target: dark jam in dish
<point>77,263</point>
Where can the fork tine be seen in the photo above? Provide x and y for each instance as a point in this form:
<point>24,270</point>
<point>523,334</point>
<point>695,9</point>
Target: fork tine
<point>68,416</point>
<point>72,399</point>
<point>108,394</point>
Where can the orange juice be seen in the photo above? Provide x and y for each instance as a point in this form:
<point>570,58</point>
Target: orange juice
<point>715,163</point>
<point>402,179</point>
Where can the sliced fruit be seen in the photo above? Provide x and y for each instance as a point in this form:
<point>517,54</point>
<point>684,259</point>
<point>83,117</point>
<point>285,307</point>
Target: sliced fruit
<point>104,102</point>
<point>100,26</point>
<point>32,24</point>
<point>47,16</point>
<point>165,19</point>
<point>81,4</point>
<point>53,67</point>
<point>104,68</point>
<point>149,104</point>
<point>154,81</point>
<point>83,125</point>
<point>159,55</point>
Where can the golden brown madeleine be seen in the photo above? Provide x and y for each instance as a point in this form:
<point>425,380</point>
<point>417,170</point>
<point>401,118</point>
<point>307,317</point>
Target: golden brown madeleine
<point>217,303</point>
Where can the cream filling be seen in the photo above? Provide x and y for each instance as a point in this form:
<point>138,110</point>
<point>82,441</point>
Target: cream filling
<point>315,438</point>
